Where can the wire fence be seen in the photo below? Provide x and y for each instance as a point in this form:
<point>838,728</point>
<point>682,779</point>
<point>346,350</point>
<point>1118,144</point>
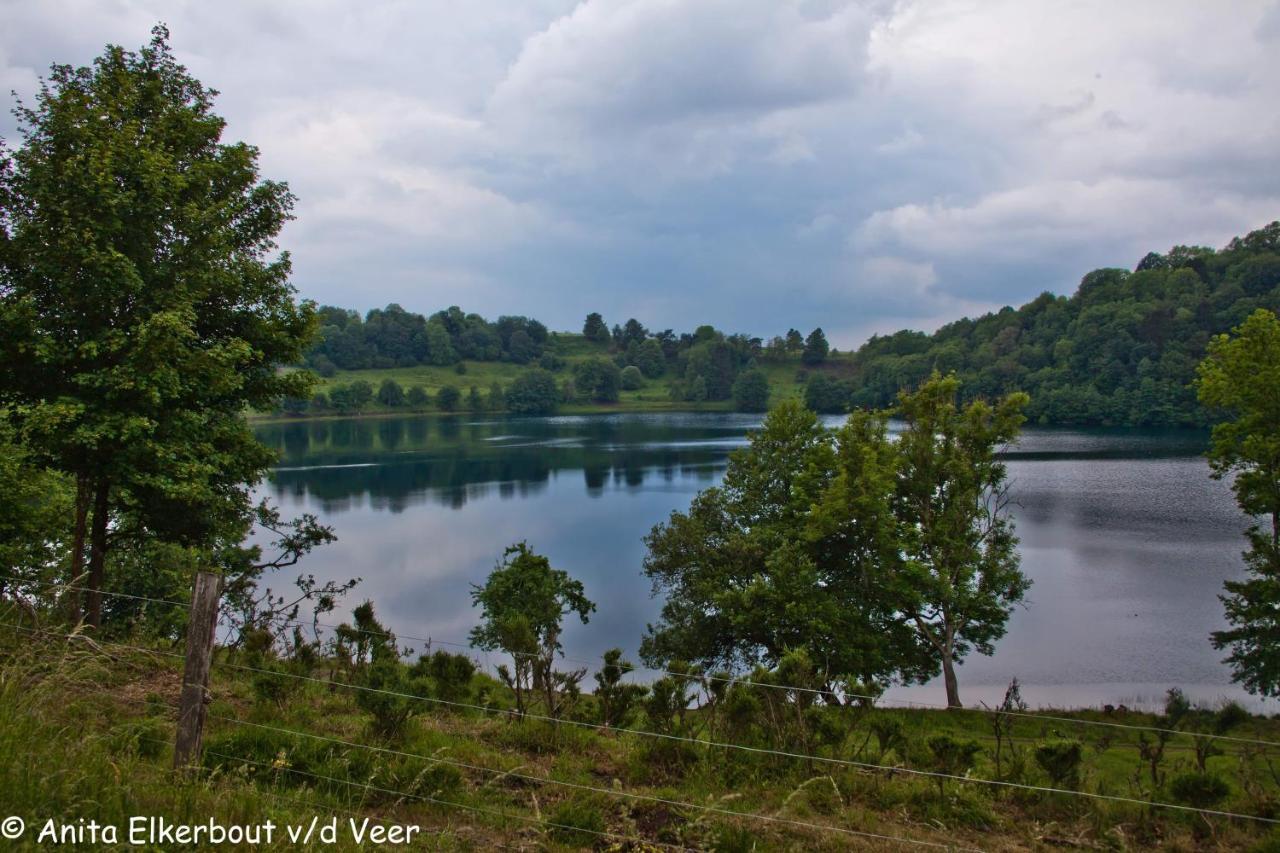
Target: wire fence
<point>707,743</point>
<point>875,700</point>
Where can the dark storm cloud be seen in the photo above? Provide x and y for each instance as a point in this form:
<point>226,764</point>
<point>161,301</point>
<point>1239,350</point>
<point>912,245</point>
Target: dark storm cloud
<point>752,163</point>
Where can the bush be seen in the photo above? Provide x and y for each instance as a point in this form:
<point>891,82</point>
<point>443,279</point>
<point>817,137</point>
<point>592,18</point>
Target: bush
<point>632,378</point>
<point>751,391</point>
<point>390,393</point>
<point>551,361</point>
<point>1060,760</point>
<point>825,395</point>
<point>1199,790</point>
<point>417,397</point>
<point>448,398</point>
<point>533,392</point>
<point>578,820</point>
<point>598,379</point>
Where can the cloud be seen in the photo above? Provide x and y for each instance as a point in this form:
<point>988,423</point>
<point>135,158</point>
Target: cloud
<point>757,164</point>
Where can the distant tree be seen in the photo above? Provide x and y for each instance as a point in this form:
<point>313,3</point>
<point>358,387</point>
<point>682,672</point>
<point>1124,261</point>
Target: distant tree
<point>650,358</point>
<point>633,332</point>
<point>815,348</point>
<point>958,578</point>
<point>826,395</point>
<point>751,391</point>
<point>390,393</point>
<point>616,336</point>
<point>632,379</point>
<point>522,608</point>
<point>598,379</point>
<point>533,392</point>
<point>320,402</point>
<point>439,345</point>
<point>551,361</point>
<point>794,341</point>
<point>697,392</point>
<point>417,397</point>
<point>497,400</point>
<point>1239,379</point>
<point>361,393</point>
<point>295,405</point>
<point>595,329</point>
<point>475,403</point>
<point>447,398</point>
<point>521,348</point>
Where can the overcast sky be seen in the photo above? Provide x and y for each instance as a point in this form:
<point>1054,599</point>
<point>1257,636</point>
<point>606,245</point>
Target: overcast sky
<point>756,164</point>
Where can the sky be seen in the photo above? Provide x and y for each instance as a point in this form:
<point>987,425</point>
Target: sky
<point>754,164</point>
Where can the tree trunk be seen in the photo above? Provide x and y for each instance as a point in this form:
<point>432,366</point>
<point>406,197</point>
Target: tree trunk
<point>77,546</point>
<point>97,553</point>
<point>949,678</point>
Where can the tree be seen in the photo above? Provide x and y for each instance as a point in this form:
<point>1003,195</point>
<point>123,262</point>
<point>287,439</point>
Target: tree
<point>631,379</point>
<point>447,398</point>
<point>533,392</point>
<point>794,341</point>
<point>751,391</point>
<point>826,395</point>
<point>751,572</point>
<point>522,608</point>
<point>417,397</point>
<point>815,348</point>
<point>595,329</point>
<point>617,698</point>
<point>650,358</point>
<point>140,310</point>
<point>1238,378</point>
<point>390,393</point>
<point>475,403</point>
<point>598,379</point>
<point>958,577</point>
<point>497,400</point>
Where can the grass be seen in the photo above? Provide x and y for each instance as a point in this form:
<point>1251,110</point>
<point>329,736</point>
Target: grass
<point>85,733</point>
<point>655,396</point>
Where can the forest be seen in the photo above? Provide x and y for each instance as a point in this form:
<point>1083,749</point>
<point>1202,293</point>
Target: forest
<point>1121,350</point>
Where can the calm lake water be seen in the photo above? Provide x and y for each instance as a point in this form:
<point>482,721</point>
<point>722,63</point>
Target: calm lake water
<point>1127,538</point>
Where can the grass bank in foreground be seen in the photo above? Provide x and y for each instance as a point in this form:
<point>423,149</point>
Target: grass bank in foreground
<point>86,729</point>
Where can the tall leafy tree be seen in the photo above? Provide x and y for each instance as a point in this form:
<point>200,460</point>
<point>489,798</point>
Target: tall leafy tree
<point>595,329</point>
<point>523,605</point>
<point>957,576</point>
<point>141,308</point>
<point>1239,378</point>
<point>816,348</point>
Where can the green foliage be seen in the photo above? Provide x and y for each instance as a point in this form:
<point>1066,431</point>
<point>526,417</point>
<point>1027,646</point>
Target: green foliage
<point>751,391</point>
<point>816,348</point>
<point>447,398</point>
<point>450,674</point>
<point>533,392</point>
<point>950,756</point>
<point>1199,790</point>
<point>390,393</point>
<point>132,343</point>
<point>956,578</point>
<point>632,379</point>
<point>617,699</point>
<point>1060,760</point>
<point>417,397</point>
<point>826,395</point>
<point>578,820</point>
<point>1238,378</point>
<point>597,379</point>
<point>595,329</point>
<point>390,684</point>
<point>1122,350</point>
<point>522,606</point>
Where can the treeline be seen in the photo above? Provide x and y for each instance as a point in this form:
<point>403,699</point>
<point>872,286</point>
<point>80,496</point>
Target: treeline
<point>1122,350</point>
<point>706,365</point>
<point>393,337</point>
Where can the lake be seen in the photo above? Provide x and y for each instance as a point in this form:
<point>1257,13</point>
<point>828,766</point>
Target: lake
<point>1124,533</point>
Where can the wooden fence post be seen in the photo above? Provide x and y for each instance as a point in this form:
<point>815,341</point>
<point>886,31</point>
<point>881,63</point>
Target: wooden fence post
<point>201,631</point>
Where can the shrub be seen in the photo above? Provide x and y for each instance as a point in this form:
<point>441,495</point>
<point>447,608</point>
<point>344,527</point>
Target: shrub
<point>578,820</point>
<point>533,392</point>
<point>1060,760</point>
<point>448,398</point>
<point>1199,790</point>
<point>751,391</point>
<point>390,393</point>
<point>417,397</point>
<point>632,378</point>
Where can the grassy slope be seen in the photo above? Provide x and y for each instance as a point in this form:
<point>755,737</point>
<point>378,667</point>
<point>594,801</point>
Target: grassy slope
<point>654,397</point>
<point>84,734</point>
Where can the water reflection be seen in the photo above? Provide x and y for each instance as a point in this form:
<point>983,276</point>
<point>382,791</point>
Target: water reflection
<point>1126,537</point>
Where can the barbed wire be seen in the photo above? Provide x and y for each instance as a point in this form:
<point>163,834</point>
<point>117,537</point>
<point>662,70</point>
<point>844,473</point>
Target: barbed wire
<point>877,701</point>
<point>863,765</point>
